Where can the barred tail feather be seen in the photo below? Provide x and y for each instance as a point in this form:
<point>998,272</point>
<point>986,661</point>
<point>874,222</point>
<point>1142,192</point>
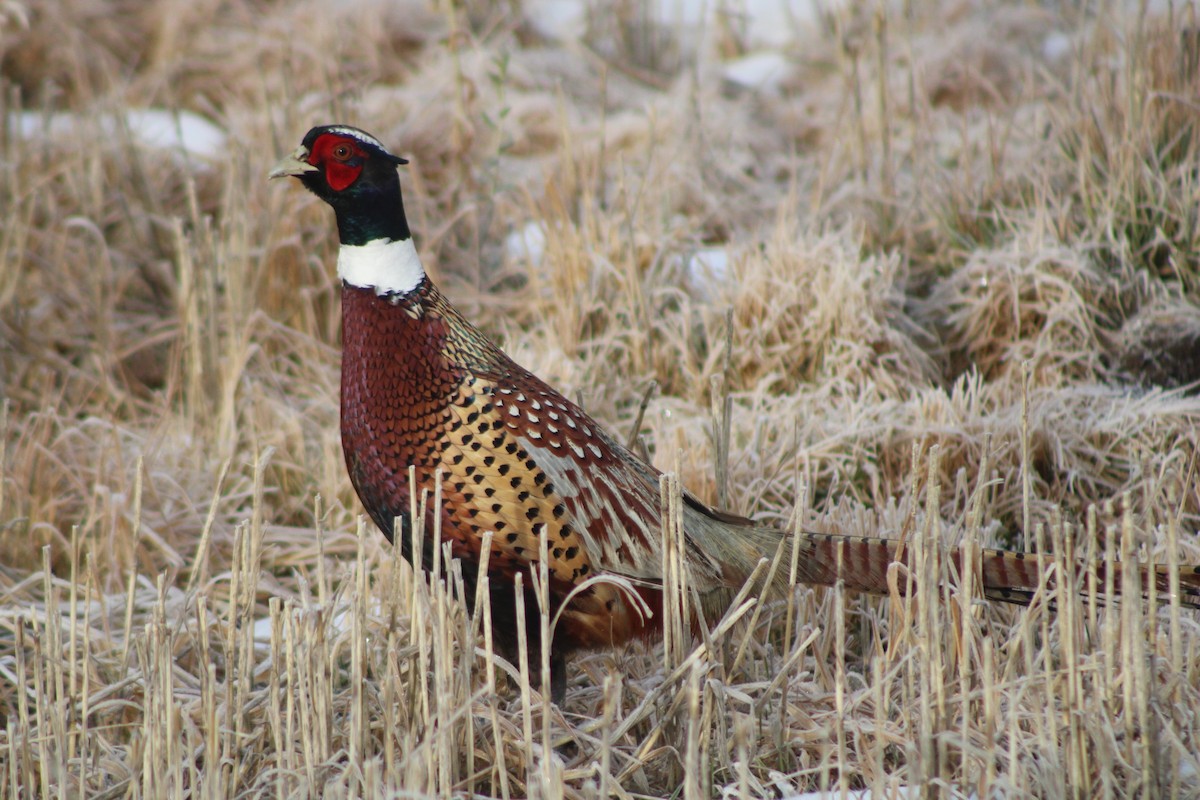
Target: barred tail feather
<point>1014,577</point>
<point>862,564</point>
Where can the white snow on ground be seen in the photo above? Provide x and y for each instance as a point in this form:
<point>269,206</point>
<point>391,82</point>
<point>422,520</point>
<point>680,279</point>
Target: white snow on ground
<point>763,71</point>
<point>264,627</point>
<point>707,272</point>
<point>759,24</point>
<point>526,245</point>
<point>559,20</point>
<point>178,131</point>
<point>1056,47</point>
<point>860,794</point>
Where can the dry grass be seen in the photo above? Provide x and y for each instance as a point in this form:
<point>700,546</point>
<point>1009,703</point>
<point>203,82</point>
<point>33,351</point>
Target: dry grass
<point>963,284</point>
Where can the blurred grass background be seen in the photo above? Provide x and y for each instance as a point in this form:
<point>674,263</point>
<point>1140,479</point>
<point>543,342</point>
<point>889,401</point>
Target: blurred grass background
<point>940,260</point>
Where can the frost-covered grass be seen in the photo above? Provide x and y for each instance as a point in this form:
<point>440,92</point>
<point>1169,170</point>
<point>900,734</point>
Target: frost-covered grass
<point>960,252</point>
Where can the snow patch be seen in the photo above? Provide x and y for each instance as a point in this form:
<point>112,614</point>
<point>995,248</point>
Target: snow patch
<point>707,272</point>
<point>760,72</point>
<point>528,244</point>
<point>858,794</point>
<point>765,24</point>
<point>1056,47</point>
<point>557,20</point>
<point>263,629</point>
<point>153,128</point>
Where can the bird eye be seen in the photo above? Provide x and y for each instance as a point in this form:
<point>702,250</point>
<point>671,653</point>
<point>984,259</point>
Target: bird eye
<point>343,152</point>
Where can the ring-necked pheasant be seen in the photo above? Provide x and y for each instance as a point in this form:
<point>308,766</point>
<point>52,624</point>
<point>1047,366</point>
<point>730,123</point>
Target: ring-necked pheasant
<point>423,388</point>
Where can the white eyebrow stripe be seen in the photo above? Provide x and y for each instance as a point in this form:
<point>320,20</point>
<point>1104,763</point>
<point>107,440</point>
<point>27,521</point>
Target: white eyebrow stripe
<point>355,133</point>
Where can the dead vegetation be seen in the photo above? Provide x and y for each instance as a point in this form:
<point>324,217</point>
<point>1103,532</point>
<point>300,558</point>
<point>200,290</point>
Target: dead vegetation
<point>962,275</point>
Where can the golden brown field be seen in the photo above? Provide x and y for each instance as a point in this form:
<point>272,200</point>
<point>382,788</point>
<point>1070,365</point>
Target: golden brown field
<point>947,288</point>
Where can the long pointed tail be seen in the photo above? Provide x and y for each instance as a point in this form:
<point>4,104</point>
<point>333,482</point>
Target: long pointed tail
<point>862,564</point>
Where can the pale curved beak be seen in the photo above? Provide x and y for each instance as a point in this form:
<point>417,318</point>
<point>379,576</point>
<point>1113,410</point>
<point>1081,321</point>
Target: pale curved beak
<point>295,164</point>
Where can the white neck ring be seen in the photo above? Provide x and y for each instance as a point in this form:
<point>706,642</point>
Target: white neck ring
<point>387,266</point>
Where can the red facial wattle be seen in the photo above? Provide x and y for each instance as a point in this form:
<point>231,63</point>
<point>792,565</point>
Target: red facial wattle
<point>340,158</point>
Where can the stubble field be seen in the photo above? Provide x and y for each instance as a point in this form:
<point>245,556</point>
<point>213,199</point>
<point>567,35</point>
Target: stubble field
<point>935,274</point>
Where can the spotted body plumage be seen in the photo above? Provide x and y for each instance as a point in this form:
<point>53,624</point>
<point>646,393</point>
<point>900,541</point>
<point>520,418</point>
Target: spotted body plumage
<point>424,389</point>
<point>455,404</point>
